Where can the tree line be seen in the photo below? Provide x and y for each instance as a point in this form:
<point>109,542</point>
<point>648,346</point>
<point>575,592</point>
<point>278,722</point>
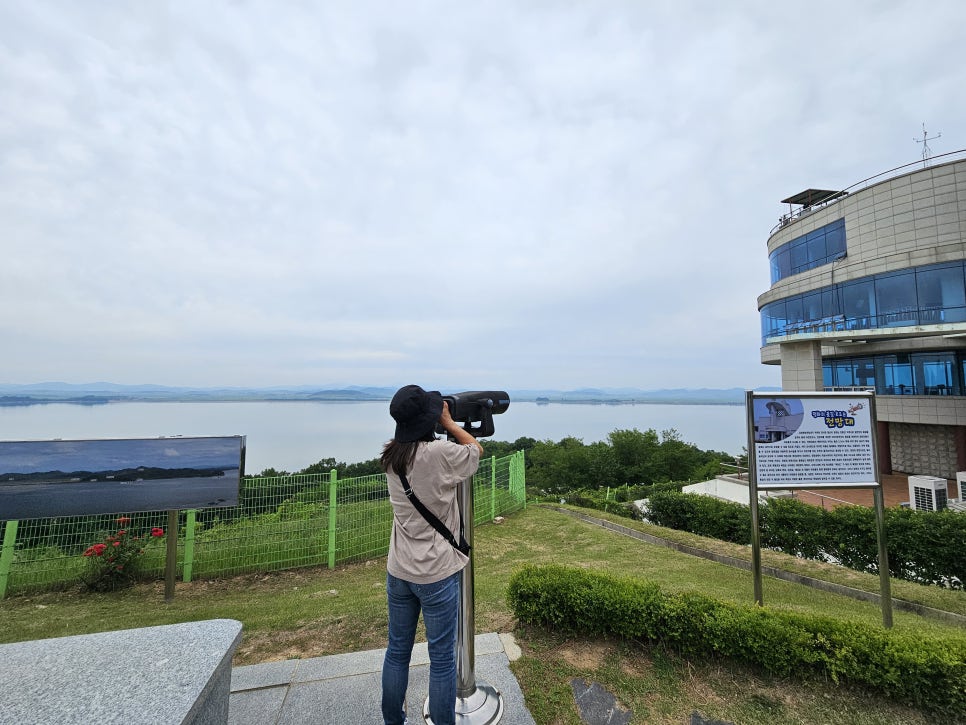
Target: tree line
<point>628,458</point>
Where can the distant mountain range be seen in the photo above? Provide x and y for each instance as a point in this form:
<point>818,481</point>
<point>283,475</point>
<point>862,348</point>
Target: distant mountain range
<point>101,393</point>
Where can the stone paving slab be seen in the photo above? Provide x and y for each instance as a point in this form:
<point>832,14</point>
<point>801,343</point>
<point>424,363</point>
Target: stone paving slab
<point>347,688</point>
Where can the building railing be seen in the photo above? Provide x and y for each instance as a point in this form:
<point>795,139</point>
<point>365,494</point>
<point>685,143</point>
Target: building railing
<point>822,498</point>
<point>907,317</point>
<point>786,219</point>
<point>282,522</point>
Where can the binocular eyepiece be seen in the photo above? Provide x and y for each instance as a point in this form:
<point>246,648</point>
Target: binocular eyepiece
<point>476,407</point>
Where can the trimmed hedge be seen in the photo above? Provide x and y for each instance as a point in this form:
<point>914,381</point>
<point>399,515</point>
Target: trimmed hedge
<point>925,547</point>
<point>924,671</point>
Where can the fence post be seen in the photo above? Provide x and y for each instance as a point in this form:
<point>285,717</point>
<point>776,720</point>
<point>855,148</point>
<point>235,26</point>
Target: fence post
<point>521,480</point>
<point>171,555</point>
<point>189,545</point>
<point>333,485</point>
<point>492,487</point>
<point>6,555</point>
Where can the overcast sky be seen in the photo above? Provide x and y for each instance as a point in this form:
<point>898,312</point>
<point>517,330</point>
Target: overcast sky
<point>479,195</point>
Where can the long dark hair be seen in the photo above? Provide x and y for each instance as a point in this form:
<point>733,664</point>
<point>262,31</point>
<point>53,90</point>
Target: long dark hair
<point>398,457</point>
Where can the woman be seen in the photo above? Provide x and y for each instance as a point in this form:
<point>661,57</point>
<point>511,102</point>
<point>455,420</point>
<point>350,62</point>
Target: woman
<point>423,567</point>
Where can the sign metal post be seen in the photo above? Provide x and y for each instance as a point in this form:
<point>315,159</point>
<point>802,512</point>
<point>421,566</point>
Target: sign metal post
<point>815,440</point>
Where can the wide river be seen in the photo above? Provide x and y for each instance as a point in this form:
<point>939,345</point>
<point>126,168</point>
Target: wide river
<point>290,436</point>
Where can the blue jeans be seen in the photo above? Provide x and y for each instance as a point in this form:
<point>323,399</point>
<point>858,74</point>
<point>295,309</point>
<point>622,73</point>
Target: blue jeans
<point>439,602</point>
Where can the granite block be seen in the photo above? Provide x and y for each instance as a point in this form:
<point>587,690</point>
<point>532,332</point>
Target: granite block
<point>179,673</point>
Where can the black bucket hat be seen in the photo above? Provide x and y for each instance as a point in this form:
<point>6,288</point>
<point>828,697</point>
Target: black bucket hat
<point>415,411</point>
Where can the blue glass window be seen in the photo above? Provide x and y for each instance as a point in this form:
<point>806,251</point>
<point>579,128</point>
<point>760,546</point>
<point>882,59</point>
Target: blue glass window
<point>827,375</point>
<point>895,296</point>
<point>818,247</point>
<point>865,372</point>
<point>843,373</point>
<point>935,370</point>
<point>835,240</point>
<point>858,304</point>
<point>794,310</point>
<point>942,294</point>
<point>773,319</point>
<point>928,295</point>
<point>898,378</point>
<point>927,373</point>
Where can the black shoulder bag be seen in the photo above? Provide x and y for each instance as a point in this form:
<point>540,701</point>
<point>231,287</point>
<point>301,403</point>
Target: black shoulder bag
<point>431,519</point>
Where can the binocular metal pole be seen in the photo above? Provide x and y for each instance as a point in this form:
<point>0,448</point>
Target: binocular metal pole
<point>477,703</point>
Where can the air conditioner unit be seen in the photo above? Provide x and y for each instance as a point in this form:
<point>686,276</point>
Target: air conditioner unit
<point>927,493</point>
<point>960,486</point>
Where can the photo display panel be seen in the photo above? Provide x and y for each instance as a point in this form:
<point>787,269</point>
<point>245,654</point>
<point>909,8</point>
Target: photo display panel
<point>40,479</point>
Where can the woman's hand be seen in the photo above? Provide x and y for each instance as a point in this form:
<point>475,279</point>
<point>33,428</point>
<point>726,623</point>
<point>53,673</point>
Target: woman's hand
<point>455,430</point>
<point>445,418</point>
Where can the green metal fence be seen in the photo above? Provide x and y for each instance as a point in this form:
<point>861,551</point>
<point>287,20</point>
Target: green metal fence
<point>281,522</point>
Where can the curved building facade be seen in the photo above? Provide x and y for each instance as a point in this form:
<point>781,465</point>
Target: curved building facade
<point>868,290</point>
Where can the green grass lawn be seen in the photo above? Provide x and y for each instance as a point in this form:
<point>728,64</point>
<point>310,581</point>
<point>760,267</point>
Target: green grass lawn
<point>313,612</point>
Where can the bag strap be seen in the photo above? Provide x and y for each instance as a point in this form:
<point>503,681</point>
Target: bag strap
<point>431,519</point>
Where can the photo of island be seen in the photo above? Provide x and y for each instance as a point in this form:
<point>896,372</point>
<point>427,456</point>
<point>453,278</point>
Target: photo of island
<point>40,479</point>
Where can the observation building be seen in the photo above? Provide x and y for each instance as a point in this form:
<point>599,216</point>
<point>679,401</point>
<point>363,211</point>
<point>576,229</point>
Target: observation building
<point>868,291</point>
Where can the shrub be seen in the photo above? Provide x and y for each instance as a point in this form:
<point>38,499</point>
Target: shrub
<point>926,671</point>
<point>793,528</point>
<point>114,563</point>
<point>702,515</point>
<point>924,546</point>
<point>596,499</point>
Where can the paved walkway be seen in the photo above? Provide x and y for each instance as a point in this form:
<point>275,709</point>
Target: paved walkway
<point>345,689</point>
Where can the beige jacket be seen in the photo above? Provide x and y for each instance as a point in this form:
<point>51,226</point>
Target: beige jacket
<point>417,553</point>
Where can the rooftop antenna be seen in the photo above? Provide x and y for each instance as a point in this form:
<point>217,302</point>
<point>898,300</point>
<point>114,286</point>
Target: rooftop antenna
<point>925,147</point>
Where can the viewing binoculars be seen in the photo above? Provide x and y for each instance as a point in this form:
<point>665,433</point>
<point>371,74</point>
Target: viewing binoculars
<point>475,410</point>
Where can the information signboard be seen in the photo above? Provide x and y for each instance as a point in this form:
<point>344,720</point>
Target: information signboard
<point>813,440</point>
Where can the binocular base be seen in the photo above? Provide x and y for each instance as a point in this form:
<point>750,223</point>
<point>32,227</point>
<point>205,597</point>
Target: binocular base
<point>483,706</point>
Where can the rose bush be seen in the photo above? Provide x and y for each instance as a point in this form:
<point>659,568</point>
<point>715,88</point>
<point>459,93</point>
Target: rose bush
<point>114,563</point>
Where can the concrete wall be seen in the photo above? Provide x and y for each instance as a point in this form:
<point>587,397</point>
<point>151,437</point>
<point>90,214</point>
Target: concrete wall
<point>923,449</point>
<point>801,366</point>
<point>935,410</point>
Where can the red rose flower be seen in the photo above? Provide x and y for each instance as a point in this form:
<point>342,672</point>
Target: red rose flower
<point>156,532</point>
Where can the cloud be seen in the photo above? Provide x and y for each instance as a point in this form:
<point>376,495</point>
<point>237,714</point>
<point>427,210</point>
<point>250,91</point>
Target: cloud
<point>248,194</point>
